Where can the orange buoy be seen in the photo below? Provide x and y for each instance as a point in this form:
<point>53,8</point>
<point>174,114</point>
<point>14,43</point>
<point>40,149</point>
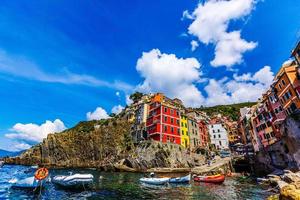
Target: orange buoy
<point>41,173</point>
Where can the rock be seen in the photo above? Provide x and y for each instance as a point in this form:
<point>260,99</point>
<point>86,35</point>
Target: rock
<point>290,192</point>
<point>291,177</point>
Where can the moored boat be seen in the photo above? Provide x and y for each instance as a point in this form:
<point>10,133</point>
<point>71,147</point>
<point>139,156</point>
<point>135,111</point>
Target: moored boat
<point>1,163</point>
<point>220,178</point>
<point>29,182</point>
<point>183,179</point>
<point>155,181</point>
<point>73,180</point>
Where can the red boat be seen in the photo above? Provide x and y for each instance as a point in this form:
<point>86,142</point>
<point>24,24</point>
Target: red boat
<point>220,178</point>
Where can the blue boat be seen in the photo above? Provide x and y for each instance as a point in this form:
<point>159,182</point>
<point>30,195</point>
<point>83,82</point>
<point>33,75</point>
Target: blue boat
<point>183,179</point>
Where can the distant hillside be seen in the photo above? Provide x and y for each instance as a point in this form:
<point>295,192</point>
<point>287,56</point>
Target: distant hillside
<point>4,153</point>
<point>231,111</point>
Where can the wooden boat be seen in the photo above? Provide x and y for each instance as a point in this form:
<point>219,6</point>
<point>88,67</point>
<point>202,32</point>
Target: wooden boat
<point>219,178</point>
<point>155,181</point>
<point>183,179</point>
<point>73,180</point>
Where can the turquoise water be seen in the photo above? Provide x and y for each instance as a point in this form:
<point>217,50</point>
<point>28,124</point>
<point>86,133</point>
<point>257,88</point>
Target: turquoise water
<point>120,185</point>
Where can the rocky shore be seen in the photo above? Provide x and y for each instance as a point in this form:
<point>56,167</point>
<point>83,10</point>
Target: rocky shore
<point>287,184</point>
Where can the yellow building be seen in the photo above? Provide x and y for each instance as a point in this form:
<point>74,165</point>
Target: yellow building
<point>185,140</point>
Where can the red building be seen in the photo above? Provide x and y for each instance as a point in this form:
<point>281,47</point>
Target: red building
<point>203,133</point>
<point>163,122</point>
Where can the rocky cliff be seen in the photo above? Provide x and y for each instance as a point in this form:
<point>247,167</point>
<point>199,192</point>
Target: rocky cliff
<point>106,145</point>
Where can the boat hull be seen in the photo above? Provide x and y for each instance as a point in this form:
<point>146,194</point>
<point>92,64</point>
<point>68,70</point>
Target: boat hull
<point>184,179</point>
<point>73,180</point>
<point>218,179</point>
<point>29,182</point>
<point>155,181</point>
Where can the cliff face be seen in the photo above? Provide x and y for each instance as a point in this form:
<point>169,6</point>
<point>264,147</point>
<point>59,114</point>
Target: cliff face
<point>106,145</point>
<point>89,144</point>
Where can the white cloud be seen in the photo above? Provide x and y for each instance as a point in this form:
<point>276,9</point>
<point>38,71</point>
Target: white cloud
<point>117,109</point>
<point>194,45</point>
<point>128,100</point>
<point>210,25</point>
<point>242,88</point>
<point>230,48</point>
<point>20,147</point>
<point>287,62</point>
<point>98,114</point>
<point>176,77</point>
<point>34,133</point>
<point>186,15</point>
<point>24,68</point>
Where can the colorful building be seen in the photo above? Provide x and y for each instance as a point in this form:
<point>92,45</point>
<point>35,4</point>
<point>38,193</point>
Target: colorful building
<point>185,140</point>
<point>287,87</point>
<point>138,129</point>
<point>203,133</point>
<point>218,136</point>
<point>163,122</point>
<point>193,131</point>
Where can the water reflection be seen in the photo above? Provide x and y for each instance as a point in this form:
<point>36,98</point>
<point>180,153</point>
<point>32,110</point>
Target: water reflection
<point>120,185</point>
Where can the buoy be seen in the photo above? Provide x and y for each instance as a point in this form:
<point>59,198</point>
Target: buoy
<point>41,173</point>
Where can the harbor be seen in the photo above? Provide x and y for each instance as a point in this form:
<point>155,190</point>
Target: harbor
<point>126,185</point>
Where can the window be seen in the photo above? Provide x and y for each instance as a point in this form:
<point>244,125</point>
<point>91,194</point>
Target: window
<point>220,143</point>
<point>168,139</point>
<point>166,118</point>
<point>166,128</point>
<point>182,132</point>
<point>214,136</point>
<point>172,111</point>
<point>279,86</point>
<point>218,130</point>
<point>178,131</point>
<point>185,125</point>
<point>213,131</point>
<point>172,120</point>
<point>166,110</point>
<point>283,82</point>
<point>172,130</point>
<point>177,113</point>
<point>182,124</point>
<point>219,136</point>
<point>177,122</point>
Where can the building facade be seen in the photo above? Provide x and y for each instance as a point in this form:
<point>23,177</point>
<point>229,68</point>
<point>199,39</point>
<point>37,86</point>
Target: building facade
<point>185,139</point>
<point>193,131</point>
<point>163,122</point>
<point>218,136</point>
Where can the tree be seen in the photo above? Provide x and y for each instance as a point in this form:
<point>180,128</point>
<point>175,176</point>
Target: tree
<point>136,96</point>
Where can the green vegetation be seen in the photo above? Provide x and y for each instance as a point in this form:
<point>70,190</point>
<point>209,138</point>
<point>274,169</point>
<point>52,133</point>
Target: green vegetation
<point>231,111</point>
<point>136,96</point>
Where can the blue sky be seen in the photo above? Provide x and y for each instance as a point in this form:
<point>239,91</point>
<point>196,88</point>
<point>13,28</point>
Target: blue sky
<point>63,59</point>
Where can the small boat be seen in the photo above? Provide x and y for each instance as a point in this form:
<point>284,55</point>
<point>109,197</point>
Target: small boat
<point>183,179</point>
<point>210,179</point>
<point>1,163</point>
<point>155,181</point>
<point>73,180</point>
<point>29,182</point>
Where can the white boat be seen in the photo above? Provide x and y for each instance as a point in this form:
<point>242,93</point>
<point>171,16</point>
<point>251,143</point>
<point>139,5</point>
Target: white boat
<point>1,163</point>
<point>29,182</point>
<point>155,181</point>
<point>183,179</point>
<point>73,180</point>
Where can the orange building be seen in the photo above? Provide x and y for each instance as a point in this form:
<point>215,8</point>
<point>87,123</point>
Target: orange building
<point>287,87</point>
